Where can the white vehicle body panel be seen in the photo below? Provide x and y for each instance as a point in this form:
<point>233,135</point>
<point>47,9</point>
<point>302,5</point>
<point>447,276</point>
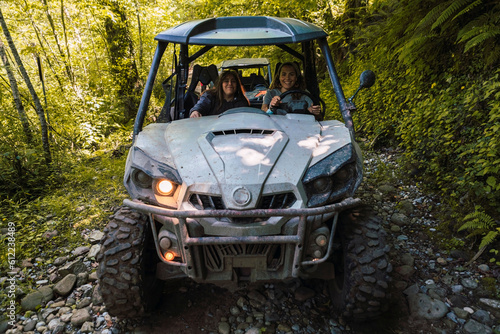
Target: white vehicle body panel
<point>218,164</point>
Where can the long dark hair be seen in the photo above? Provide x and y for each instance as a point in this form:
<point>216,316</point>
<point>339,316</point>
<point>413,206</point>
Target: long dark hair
<point>300,84</point>
<point>218,92</point>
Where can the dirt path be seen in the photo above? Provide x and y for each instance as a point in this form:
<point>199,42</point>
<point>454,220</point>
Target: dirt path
<point>190,308</point>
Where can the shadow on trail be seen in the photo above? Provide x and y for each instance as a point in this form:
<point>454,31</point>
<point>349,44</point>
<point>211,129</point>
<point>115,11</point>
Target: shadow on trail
<point>186,307</point>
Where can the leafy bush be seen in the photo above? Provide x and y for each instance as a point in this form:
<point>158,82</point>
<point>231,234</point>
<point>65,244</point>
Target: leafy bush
<point>92,189</point>
<point>454,137</point>
<point>437,92</point>
<point>23,172</point>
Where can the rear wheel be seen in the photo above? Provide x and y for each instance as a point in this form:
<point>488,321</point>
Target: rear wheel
<point>360,287</point>
<point>127,265</point>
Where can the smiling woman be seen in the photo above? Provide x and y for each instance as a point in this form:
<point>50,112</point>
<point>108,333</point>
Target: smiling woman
<point>285,93</point>
<point>227,94</point>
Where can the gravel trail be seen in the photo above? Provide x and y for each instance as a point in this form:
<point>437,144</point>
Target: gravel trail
<point>432,290</point>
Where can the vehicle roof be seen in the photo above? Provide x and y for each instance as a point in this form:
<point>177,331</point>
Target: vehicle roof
<point>245,62</point>
<point>242,31</point>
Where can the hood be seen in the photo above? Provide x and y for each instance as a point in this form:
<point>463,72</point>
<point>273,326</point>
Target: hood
<point>242,156</point>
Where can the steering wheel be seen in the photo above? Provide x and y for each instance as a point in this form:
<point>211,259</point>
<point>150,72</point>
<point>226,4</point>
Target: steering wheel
<point>315,100</point>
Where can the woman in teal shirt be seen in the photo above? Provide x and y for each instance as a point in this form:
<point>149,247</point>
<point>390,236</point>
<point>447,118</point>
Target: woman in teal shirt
<point>289,78</point>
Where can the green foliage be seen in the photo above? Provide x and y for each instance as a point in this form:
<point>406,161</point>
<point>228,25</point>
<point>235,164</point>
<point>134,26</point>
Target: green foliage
<point>454,138</point>
<point>495,259</point>
<point>436,96</point>
<point>490,284</point>
<point>451,8</point>
<point>474,22</point>
<point>23,172</point>
<point>452,243</point>
<point>480,224</point>
<point>50,226</point>
<point>91,190</point>
<point>122,61</point>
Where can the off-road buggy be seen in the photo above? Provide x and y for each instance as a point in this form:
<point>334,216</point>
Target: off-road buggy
<point>243,197</point>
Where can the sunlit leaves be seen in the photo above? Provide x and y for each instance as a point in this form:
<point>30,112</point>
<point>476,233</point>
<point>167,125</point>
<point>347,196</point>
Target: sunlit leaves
<point>431,98</point>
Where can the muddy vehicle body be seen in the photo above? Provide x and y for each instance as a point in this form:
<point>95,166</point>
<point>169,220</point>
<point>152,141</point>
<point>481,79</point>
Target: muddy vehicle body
<point>244,196</point>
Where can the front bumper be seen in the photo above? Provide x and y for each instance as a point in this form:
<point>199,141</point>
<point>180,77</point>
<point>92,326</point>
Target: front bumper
<point>191,267</point>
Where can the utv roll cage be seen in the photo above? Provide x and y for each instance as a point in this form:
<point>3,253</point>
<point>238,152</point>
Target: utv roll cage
<point>261,74</point>
<point>241,63</point>
<point>240,31</point>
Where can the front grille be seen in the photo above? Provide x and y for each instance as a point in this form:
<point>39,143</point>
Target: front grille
<point>214,254</point>
<point>276,201</point>
<point>279,201</point>
<point>206,202</point>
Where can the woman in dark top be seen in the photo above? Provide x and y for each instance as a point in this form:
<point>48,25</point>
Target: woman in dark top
<point>227,94</point>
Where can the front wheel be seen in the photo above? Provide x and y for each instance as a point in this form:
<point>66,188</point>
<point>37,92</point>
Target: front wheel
<point>127,265</point>
<point>360,287</point>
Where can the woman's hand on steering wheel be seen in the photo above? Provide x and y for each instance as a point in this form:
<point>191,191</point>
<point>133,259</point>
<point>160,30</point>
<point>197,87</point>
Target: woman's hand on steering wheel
<point>275,103</point>
<point>314,109</point>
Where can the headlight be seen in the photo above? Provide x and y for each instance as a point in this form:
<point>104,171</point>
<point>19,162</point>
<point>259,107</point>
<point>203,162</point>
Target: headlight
<point>164,187</point>
<point>148,184</point>
<point>322,184</point>
<point>143,176</point>
<point>142,179</point>
<point>332,178</point>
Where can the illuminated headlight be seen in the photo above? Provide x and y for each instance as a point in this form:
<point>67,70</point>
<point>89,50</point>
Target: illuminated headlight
<point>151,181</point>
<point>160,186</point>
<point>169,256</point>
<point>164,187</point>
<point>168,244</point>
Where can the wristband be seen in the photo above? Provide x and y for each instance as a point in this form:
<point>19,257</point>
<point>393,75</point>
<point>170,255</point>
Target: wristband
<point>269,112</point>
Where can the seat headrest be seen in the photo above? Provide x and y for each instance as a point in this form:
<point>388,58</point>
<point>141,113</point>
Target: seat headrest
<point>203,74</point>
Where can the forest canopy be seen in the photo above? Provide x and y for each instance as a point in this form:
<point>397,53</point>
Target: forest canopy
<point>72,74</point>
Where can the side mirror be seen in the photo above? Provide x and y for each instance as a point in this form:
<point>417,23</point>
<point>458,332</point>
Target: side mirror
<point>366,80</point>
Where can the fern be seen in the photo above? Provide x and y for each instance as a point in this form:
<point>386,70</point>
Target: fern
<point>469,31</point>
<point>454,7</point>
<point>489,238</point>
<point>479,30</point>
<point>431,17</point>
<point>477,220</point>
<point>468,8</point>
<point>493,56</point>
<point>479,39</point>
<point>480,223</point>
<point>410,48</point>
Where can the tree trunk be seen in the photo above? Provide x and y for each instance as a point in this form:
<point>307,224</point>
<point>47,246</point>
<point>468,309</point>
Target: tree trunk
<point>65,33</point>
<point>140,33</point>
<point>36,100</point>
<point>37,33</point>
<point>65,58</point>
<point>15,94</point>
<point>122,61</point>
